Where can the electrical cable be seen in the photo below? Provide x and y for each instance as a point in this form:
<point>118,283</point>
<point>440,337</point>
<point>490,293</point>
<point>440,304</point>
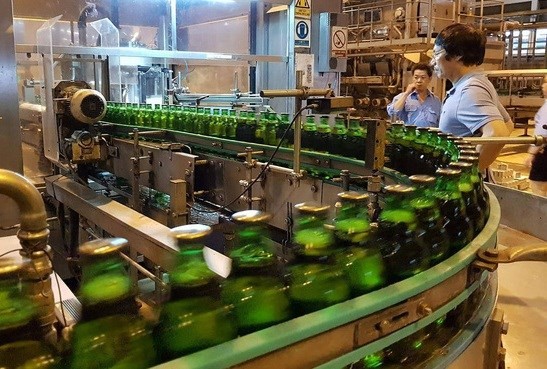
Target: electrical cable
<point>9,252</point>
<point>268,163</point>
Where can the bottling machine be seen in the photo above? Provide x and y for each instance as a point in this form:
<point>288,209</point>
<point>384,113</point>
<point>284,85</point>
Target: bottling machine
<point>116,177</point>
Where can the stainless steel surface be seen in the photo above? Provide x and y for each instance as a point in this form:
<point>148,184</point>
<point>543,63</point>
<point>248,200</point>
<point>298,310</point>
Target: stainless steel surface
<point>301,92</point>
<point>226,99</point>
<point>145,236</point>
<point>169,55</point>
<point>11,156</point>
<point>528,216</point>
<point>160,167</point>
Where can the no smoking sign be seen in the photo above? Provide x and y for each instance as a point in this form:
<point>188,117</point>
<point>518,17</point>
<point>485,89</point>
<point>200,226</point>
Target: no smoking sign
<point>339,42</point>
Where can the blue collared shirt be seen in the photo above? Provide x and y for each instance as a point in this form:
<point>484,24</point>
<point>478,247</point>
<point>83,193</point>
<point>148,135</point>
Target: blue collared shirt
<point>470,104</point>
<point>415,113</point>
<point>541,120</point>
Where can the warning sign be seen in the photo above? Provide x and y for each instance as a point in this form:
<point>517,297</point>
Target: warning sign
<point>339,42</point>
<point>302,8</point>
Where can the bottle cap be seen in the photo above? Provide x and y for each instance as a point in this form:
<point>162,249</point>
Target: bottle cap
<point>470,152</point>
<point>311,208</point>
<point>102,247</point>
<point>399,189</point>
<point>422,179</point>
<point>470,158</point>
<point>251,216</point>
<point>461,165</point>
<point>448,172</point>
<point>191,232</point>
<point>353,196</point>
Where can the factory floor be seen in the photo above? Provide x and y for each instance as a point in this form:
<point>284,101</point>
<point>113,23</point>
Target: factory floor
<point>523,299</point>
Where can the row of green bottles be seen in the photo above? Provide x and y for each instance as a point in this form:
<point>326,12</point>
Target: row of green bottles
<point>419,150</point>
<point>264,128</point>
<point>20,345</point>
<point>339,140</point>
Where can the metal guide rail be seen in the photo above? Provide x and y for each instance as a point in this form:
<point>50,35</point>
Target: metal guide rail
<point>165,139</point>
<point>340,334</point>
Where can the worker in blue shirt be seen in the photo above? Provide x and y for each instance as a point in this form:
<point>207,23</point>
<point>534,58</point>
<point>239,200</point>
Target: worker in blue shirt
<point>417,105</point>
<point>472,107</point>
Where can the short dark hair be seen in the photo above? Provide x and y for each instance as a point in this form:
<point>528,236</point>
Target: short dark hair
<point>422,66</point>
<point>465,41</point>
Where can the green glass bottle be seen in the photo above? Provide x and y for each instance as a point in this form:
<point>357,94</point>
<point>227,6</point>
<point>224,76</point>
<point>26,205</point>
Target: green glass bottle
<point>282,126</point>
<point>194,318</point>
<point>216,123</point>
<point>254,288</point>
<point>425,163</point>
<point>241,126</point>
<point>323,134</point>
<point>226,122</point>
<point>372,361</point>
<point>148,116</point>
<point>411,163</point>
<point>476,177</point>
<point>202,122</point>
<point>361,260</point>
<point>109,112</point>
<point>409,351</point>
<point>356,139</point>
<point>437,149</point>
<point>139,115</point>
<point>394,148</point>
<point>123,114</point>
<point>171,116</point>
<point>178,118</point>
<point>309,134</point>
<point>316,281</point>
<point>17,313</point>
<point>472,208</point>
<point>231,123</point>
<point>191,119</point>
<point>110,334</point>
<point>405,254</point>
<point>446,153</point>
<point>260,124</point>
<point>20,341</point>
<point>338,137</point>
<point>455,220</point>
<point>156,116</point>
<point>251,126</point>
<point>270,132</point>
<point>430,221</point>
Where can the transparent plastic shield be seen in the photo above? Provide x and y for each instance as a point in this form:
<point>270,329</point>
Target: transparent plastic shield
<point>44,43</point>
<point>109,36</point>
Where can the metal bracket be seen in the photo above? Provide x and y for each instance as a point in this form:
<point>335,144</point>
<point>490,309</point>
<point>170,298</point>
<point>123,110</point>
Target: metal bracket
<point>490,258</point>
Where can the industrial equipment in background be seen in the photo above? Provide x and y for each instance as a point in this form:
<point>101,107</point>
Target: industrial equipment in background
<point>161,152</point>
